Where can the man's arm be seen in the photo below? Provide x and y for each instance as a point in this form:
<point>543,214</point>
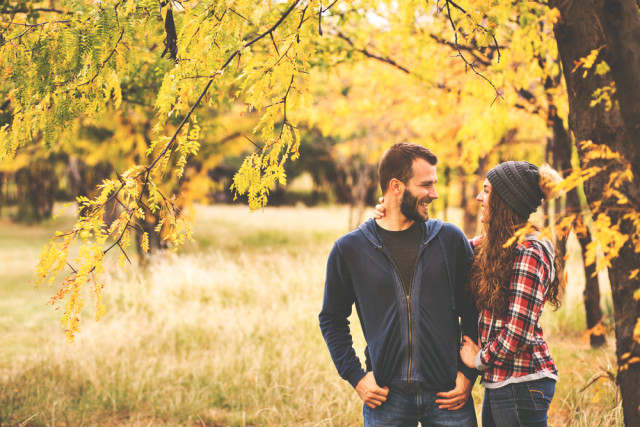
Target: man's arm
<point>467,310</point>
<point>468,313</point>
<point>334,324</point>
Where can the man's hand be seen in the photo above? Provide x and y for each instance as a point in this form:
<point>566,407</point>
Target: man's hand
<point>369,391</point>
<point>457,397</point>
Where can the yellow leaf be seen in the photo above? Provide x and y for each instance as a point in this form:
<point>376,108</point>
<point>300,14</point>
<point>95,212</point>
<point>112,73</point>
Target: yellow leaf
<point>598,330</point>
<point>145,242</point>
<point>554,15</point>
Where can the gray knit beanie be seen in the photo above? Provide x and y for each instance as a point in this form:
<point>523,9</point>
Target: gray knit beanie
<point>518,185</point>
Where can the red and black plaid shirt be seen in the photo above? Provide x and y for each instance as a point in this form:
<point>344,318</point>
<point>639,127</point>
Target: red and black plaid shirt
<point>512,345</point>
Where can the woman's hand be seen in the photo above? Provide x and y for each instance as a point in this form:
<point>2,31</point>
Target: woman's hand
<point>380,210</point>
<point>468,352</point>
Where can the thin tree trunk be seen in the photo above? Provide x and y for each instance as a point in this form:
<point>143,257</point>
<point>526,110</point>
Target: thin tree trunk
<point>468,216</point>
<point>469,191</point>
<point>591,289</point>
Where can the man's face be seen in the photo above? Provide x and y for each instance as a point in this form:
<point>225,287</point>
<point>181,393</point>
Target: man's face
<point>419,191</point>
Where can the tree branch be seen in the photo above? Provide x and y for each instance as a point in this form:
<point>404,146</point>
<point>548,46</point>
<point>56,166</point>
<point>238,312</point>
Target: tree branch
<point>483,59</point>
<point>39,24</point>
<point>470,65</point>
<point>37,9</point>
<point>206,89</point>
<point>368,54</point>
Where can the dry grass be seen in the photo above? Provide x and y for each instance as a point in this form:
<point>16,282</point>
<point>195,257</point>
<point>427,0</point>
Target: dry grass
<point>224,334</point>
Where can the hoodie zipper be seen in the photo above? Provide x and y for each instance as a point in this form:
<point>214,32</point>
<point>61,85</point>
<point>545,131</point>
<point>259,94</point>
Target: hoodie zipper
<point>407,293</point>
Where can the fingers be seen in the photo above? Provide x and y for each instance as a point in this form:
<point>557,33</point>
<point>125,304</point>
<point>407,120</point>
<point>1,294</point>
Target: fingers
<point>454,394</point>
<point>377,398</point>
<point>467,340</point>
<point>456,398</point>
<point>453,403</point>
<point>370,393</point>
<point>454,407</point>
<point>380,209</point>
<point>450,396</point>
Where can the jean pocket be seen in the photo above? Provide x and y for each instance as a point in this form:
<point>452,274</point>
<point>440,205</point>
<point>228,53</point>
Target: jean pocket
<point>541,392</point>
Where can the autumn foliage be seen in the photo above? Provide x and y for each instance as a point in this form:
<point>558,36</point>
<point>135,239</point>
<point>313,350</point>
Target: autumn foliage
<point>477,81</point>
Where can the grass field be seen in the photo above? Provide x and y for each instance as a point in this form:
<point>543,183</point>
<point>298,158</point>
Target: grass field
<point>224,334</point>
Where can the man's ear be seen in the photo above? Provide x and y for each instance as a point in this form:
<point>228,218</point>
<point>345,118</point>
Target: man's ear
<point>396,186</point>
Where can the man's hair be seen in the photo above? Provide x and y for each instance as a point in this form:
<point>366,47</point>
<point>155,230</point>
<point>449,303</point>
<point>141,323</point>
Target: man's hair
<point>397,162</point>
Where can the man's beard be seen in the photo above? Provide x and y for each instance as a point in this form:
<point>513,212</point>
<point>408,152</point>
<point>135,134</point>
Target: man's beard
<point>409,207</point>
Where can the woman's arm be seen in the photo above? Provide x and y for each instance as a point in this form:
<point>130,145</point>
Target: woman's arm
<point>528,286</point>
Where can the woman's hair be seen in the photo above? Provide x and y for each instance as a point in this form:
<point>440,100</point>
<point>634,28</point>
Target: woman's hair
<point>491,271</point>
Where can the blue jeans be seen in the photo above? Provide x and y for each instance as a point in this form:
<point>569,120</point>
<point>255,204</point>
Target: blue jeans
<point>518,404</point>
<point>406,410</point>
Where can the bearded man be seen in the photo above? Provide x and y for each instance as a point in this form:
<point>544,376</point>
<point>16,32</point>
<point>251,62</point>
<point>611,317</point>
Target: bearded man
<point>407,276</point>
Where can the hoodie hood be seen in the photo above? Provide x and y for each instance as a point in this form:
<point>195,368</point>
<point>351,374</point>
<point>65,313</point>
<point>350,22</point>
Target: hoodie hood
<point>430,230</point>
<point>547,247</point>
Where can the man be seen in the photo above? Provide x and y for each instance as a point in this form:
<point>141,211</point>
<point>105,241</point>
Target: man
<point>407,276</point>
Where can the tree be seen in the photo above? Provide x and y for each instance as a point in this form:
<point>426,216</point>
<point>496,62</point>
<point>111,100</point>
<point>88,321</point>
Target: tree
<point>78,61</point>
<point>607,33</point>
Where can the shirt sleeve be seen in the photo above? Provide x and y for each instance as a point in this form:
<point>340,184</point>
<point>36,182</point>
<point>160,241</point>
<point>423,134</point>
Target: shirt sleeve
<point>526,298</point>
<point>334,324</point>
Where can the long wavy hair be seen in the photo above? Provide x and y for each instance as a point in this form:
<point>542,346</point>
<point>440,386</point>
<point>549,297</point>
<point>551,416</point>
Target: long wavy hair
<point>491,270</point>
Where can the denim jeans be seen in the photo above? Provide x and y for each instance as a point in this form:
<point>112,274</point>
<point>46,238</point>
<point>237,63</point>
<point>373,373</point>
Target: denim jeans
<point>406,410</point>
<point>518,404</point>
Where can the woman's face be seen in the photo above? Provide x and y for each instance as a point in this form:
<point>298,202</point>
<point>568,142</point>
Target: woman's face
<point>483,198</point>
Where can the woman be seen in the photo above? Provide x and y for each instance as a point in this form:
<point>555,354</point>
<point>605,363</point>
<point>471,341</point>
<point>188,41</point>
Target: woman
<point>511,286</point>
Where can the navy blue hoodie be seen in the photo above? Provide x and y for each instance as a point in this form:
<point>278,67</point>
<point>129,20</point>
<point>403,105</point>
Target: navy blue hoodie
<point>412,337</point>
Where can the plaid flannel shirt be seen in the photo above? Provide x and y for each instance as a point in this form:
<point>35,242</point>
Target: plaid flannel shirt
<point>512,345</point>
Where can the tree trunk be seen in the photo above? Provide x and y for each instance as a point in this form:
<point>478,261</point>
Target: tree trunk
<point>361,183</point>
<point>561,159</point>
<point>591,289</point>
<point>614,27</point>
<point>469,210</point>
<point>155,240</point>
<point>37,185</point>
<point>2,178</point>
<point>468,193</point>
